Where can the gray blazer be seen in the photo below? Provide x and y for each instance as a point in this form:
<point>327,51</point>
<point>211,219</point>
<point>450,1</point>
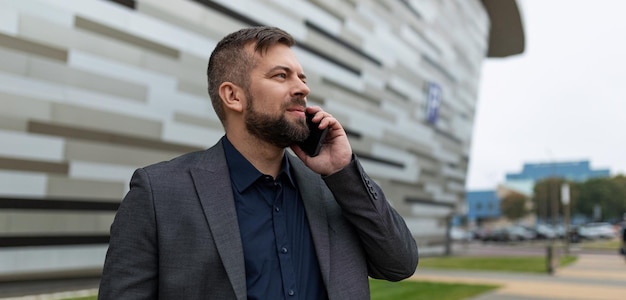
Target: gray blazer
<point>175,235</point>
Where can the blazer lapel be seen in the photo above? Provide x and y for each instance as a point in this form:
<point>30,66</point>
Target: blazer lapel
<point>315,212</point>
<point>212,182</point>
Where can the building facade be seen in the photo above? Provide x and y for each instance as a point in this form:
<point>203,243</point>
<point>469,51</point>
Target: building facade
<point>90,90</point>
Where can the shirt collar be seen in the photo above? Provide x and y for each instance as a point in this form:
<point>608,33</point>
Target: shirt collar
<point>246,173</point>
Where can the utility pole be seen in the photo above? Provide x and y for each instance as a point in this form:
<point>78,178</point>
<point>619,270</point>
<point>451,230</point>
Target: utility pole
<point>565,199</point>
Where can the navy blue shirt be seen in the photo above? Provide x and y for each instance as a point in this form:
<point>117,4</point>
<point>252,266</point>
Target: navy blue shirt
<point>278,250</point>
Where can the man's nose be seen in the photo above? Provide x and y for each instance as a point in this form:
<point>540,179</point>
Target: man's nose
<point>301,89</point>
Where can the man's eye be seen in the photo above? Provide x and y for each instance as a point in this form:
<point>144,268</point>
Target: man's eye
<point>281,75</point>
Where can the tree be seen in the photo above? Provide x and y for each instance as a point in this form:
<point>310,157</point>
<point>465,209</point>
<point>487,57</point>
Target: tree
<point>609,194</point>
<point>514,206</point>
<point>547,197</point>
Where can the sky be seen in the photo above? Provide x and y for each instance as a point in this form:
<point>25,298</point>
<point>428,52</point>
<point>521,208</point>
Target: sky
<point>563,99</point>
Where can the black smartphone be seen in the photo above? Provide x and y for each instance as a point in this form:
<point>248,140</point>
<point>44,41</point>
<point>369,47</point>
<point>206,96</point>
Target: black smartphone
<point>313,143</point>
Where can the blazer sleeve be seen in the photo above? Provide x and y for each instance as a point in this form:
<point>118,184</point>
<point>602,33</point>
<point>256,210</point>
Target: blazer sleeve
<point>131,263</point>
<point>389,245</point>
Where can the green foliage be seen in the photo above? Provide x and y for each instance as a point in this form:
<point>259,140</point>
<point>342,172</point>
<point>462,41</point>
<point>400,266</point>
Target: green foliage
<point>513,206</point>
<point>424,290</point>
<point>608,193</point>
<point>547,197</point>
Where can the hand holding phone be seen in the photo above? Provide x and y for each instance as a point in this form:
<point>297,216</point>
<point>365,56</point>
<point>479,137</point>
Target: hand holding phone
<point>312,145</point>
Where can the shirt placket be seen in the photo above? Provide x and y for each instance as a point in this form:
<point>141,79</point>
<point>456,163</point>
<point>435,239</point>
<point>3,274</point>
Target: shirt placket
<point>283,244</point>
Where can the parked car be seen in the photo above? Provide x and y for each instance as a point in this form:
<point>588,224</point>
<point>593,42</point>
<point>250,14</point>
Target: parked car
<point>520,233</point>
<point>460,234</point>
<point>544,231</point>
<point>509,234</point>
<point>597,230</point>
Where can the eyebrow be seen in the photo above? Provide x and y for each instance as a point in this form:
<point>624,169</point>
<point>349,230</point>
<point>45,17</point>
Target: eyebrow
<point>286,69</point>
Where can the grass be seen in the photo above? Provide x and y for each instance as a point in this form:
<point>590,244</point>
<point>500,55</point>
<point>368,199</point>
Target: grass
<point>528,264</point>
<point>613,244</point>
<point>424,290</point>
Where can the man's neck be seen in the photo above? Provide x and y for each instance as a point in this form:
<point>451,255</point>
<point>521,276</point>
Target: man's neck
<point>264,156</point>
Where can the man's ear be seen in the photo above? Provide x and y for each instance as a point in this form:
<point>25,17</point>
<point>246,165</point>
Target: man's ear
<point>232,96</point>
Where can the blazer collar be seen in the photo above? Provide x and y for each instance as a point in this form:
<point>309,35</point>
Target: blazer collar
<point>310,186</point>
<point>212,182</point>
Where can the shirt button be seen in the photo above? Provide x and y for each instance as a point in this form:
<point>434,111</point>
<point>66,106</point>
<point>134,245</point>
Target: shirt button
<point>291,293</point>
<point>277,209</point>
<point>283,250</point>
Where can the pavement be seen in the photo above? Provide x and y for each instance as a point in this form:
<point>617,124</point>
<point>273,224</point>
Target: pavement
<point>591,277</point>
<point>594,276</point>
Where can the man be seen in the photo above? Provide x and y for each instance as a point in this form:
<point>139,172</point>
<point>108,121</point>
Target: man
<point>247,220</point>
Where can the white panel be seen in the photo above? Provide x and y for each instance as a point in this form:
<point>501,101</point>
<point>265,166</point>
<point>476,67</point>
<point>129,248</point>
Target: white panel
<point>367,124</point>
<point>305,9</point>
<point>375,80</point>
<point>409,173</point>
<point>434,211</point>
<point>406,87</point>
<point>30,146</point>
<point>101,11</point>
<point>8,21</point>
<point>30,87</point>
<point>101,172</point>
<point>190,135</point>
<point>166,34</point>
<point>264,14</point>
<point>413,39</point>
<point>41,9</point>
<point>168,101</point>
<point>421,225</point>
<point>328,69</point>
<point>22,184</point>
<point>52,258</point>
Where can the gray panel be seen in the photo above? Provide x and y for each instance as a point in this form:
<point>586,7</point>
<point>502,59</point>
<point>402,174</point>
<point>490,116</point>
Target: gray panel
<point>100,120</point>
<point>31,47</point>
<point>12,61</point>
<point>61,186</point>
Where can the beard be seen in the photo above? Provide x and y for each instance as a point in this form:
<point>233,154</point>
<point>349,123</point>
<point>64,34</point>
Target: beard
<point>276,130</point>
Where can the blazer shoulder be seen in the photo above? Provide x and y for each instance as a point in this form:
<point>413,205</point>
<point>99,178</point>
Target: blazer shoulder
<point>188,160</point>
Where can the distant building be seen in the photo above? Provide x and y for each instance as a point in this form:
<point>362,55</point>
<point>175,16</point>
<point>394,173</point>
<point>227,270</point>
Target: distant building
<point>484,205</point>
<point>577,171</point>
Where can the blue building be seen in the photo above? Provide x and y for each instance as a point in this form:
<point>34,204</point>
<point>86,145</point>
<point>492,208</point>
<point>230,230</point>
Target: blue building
<point>578,171</point>
<point>482,205</point>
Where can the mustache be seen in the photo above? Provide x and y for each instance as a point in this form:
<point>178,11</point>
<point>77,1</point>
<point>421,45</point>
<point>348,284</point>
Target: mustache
<point>300,101</point>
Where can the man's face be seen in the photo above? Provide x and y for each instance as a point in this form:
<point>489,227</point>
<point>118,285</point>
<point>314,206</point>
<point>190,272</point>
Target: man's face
<point>276,98</point>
